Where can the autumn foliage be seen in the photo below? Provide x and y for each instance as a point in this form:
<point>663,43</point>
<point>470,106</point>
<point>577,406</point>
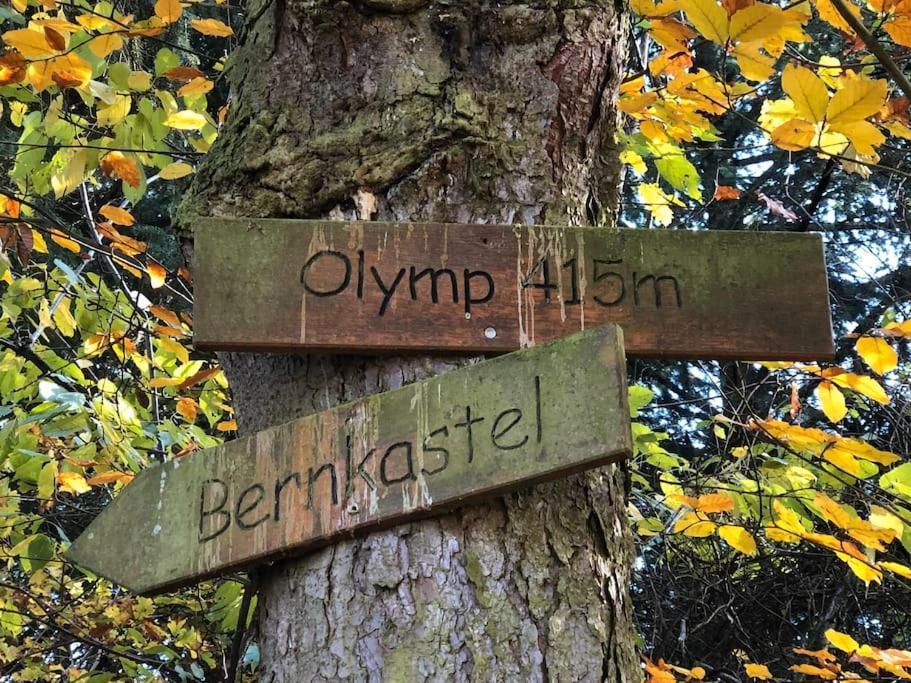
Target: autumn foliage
<point>106,115</point>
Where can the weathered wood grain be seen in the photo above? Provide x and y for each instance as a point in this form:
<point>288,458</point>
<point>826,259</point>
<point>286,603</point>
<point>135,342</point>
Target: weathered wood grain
<point>285,285</point>
<point>528,416</point>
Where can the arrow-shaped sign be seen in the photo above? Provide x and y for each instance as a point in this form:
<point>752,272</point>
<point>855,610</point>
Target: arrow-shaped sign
<point>286,285</point>
<point>529,416</point>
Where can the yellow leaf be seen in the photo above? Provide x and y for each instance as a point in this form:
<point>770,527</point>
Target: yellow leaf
<point>862,570</point>
<point>756,22</point>
<point>65,322</point>
<point>39,244</point>
<point>754,65</point>
<point>739,538</point>
<point>105,44</point>
<point>863,135</point>
<point>139,80</point>
<point>185,120</point>
<point>60,239</point>
<point>896,568</point>
<point>168,11</point>
<point>841,641</point>
<point>227,426</point>
<point>862,384</point>
<point>72,482</point>
<point>807,91</point>
<point>187,408</point>
<point>116,112</point>
<point>174,347</point>
<point>759,671</point>
<point>794,135</point>
<point>695,525</point>
<point>176,170</point>
<point>657,202</point>
<point>880,518</point>
<point>117,215</point>
<point>842,460</point>
<point>858,99</point>
<point>94,22</point>
<point>71,174</point>
<point>877,353</point>
<point>32,44</point>
<point>832,511</point>
<point>708,17</point>
<point>902,329</point>
<point>116,165</point>
<point>697,673</point>
<point>832,401</point>
<point>197,86</point>
<point>157,274</point>
<point>830,15</point>
<point>212,27</point>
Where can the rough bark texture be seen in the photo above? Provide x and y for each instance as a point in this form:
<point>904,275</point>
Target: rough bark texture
<point>472,112</point>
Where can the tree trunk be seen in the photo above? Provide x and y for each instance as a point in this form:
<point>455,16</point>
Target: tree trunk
<point>420,110</point>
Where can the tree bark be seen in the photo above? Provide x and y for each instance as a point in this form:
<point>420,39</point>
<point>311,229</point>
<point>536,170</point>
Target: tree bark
<point>431,110</point>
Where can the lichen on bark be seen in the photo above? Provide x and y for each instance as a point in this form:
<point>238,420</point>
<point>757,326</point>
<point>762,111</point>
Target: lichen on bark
<point>431,110</point>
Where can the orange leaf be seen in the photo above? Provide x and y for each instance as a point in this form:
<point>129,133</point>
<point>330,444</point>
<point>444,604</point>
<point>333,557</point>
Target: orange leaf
<point>54,39</point>
<point>163,313</point>
<point>227,426</point>
<point>12,68</point>
<point>159,382</point>
<point>117,215</point>
<point>198,86</point>
<point>183,73</point>
<point>715,502</point>
<point>9,206</point>
<point>59,238</point>
<point>200,377</point>
<point>760,671</point>
<point>116,165</point>
<point>187,408</point>
<point>723,192</point>
<point>168,11</point>
<point>157,274</point>
<point>811,670</point>
<point>72,482</point>
<point>108,477</point>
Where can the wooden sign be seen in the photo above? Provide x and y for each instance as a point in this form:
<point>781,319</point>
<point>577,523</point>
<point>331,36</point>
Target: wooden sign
<point>533,415</point>
<point>285,285</point>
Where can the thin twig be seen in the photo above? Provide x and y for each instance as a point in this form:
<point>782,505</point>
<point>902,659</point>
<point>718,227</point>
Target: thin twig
<point>873,46</point>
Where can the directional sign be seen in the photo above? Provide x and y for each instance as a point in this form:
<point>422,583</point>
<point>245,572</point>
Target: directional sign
<point>286,285</point>
<point>529,416</point>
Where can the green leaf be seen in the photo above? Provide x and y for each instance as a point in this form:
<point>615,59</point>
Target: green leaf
<point>165,60</point>
<point>639,397</point>
<point>35,554</point>
<point>680,173</point>
<point>898,480</point>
